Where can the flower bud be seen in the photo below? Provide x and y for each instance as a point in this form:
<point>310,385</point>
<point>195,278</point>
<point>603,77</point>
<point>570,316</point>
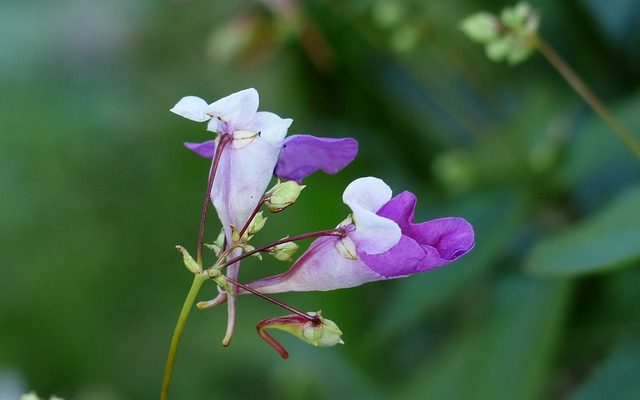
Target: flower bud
<point>316,331</point>
<point>257,223</point>
<point>282,195</point>
<point>482,27</point>
<point>324,334</point>
<point>284,251</point>
<point>189,262</point>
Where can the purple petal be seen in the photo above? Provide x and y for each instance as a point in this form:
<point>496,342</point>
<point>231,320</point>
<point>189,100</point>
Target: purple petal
<point>205,149</point>
<point>302,155</point>
<point>452,236</point>
<point>402,259</point>
<point>441,240</point>
<point>401,210</point>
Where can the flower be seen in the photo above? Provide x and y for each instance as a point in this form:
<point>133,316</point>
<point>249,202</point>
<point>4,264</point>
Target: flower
<point>314,330</point>
<point>246,165</point>
<point>258,151</point>
<point>380,242</point>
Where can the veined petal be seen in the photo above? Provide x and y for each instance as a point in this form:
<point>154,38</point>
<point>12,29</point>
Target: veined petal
<point>236,108</point>
<point>205,149</point>
<point>193,108</point>
<point>245,171</point>
<point>302,155</point>
<point>373,234</point>
<point>321,268</point>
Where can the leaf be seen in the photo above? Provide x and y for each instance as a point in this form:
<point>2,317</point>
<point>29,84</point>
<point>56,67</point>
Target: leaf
<point>504,355</point>
<point>598,163</point>
<point>617,378</point>
<point>608,240</point>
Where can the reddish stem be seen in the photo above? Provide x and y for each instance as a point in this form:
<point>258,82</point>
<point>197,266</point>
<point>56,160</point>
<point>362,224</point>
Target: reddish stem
<point>330,232</point>
<point>224,139</point>
<point>253,214</point>
<point>313,319</point>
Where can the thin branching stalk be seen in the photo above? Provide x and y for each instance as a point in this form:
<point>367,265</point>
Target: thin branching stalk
<point>587,95</point>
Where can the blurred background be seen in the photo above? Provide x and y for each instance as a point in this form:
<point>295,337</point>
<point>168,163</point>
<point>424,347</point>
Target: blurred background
<point>96,189</point>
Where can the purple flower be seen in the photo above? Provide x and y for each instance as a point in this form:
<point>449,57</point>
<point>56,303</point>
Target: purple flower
<point>381,242</point>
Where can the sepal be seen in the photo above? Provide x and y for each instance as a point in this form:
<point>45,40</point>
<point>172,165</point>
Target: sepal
<point>189,262</point>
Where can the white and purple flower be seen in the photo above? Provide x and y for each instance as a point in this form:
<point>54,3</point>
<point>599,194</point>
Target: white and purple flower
<point>381,242</point>
<point>258,150</point>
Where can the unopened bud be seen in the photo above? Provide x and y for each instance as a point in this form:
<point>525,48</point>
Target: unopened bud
<point>282,195</point>
<point>510,38</point>
<point>284,251</point>
<point>316,330</point>
<point>324,334</point>
<point>257,223</point>
<point>482,27</point>
<point>189,262</point>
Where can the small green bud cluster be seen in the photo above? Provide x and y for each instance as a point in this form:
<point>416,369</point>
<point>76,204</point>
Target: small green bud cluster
<point>510,37</point>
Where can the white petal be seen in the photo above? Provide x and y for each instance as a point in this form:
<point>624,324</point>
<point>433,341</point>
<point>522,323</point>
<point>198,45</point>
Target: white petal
<point>236,108</point>
<point>193,108</point>
<point>373,234</point>
<point>269,127</point>
<point>247,167</point>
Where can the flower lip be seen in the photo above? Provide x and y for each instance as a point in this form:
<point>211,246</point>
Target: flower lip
<point>424,245</point>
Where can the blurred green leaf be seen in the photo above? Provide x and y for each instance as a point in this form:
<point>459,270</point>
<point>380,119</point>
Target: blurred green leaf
<point>618,377</point>
<point>608,240</point>
<point>506,354</point>
<point>598,162</point>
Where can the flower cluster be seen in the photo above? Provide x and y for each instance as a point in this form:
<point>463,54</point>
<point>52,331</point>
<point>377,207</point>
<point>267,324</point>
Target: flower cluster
<point>378,240</point>
<point>510,37</point>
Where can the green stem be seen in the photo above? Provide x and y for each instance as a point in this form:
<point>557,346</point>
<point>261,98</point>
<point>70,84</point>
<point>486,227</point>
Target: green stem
<point>198,280</point>
<point>587,95</point>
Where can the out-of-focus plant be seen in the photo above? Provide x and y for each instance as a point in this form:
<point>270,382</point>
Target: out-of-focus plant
<point>513,36</point>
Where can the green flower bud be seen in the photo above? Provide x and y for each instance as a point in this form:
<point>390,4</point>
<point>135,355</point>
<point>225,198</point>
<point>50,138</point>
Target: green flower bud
<point>510,38</point>
<point>284,251</point>
<point>257,223</point>
<point>189,262</point>
<point>482,27</point>
<point>320,332</point>
<point>325,334</point>
<point>282,195</point>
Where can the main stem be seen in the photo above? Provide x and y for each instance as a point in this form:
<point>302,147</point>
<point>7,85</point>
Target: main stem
<point>587,95</point>
<point>224,139</point>
<point>198,280</point>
